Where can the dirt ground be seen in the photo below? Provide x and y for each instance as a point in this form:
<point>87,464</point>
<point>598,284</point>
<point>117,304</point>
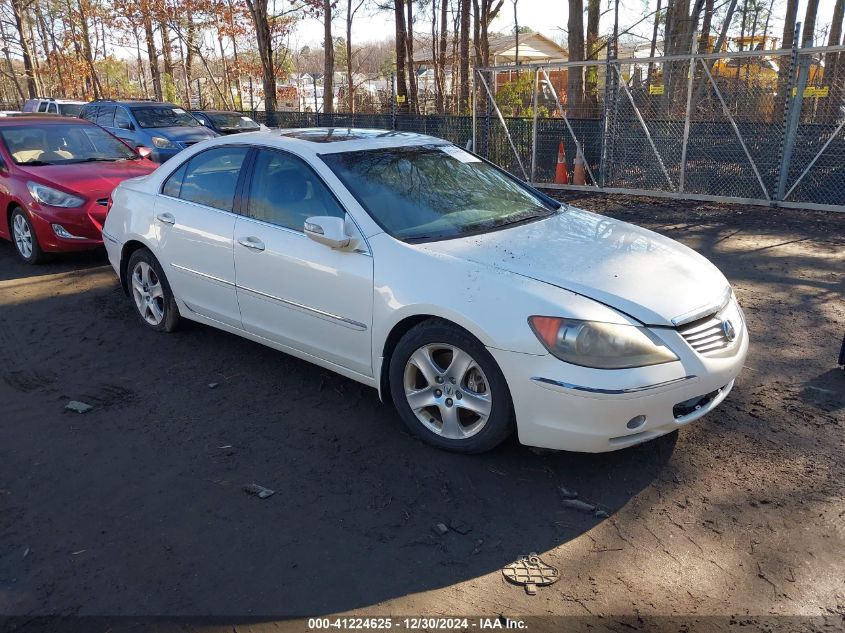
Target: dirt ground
<point>136,508</point>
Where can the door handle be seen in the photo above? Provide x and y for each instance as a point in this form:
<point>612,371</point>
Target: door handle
<point>166,218</point>
<point>252,242</point>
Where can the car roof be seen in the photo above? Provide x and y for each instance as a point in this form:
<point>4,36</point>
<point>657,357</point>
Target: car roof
<point>27,118</point>
<point>333,140</point>
<point>130,102</point>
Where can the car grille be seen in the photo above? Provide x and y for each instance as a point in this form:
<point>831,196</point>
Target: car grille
<point>705,335</point>
<point>189,143</point>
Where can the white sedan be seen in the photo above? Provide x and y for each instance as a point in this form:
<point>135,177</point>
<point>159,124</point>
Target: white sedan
<point>475,303</point>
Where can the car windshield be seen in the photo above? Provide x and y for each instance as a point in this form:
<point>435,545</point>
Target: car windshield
<point>70,109</point>
<point>231,121</point>
<point>434,192</point>
<point>57,144</point>
<point>164,116</point>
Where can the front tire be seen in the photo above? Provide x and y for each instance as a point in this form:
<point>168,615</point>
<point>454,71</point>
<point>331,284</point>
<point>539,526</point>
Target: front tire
<point>25,239</point>
<point>449,390</point>
<point>150,291</point>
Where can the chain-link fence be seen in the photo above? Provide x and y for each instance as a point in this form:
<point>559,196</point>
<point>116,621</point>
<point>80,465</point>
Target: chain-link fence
<point>765,126</point>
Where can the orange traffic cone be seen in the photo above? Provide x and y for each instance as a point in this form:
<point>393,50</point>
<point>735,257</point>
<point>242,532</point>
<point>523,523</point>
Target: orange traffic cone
<point>578,175</point>
<point>561,173</point>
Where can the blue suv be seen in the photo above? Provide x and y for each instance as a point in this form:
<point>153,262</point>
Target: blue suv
<point>164,128</point>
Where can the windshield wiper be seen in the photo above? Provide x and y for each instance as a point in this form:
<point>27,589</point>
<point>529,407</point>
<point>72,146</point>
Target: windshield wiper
<point>527,217</point>
<point>35,163</point>
<point>97,160</point>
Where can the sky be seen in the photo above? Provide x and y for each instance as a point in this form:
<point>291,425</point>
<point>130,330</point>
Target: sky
<point>548,17</point>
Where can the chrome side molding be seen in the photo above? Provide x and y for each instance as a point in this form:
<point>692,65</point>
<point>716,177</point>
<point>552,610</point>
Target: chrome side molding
<point>614,392</point>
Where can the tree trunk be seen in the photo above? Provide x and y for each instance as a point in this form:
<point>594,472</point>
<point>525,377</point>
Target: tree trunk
<point>264,39</point>
<point>86,50</point>
<point>29,71</point>
<point>786,69</point>
<point>190,36</point>
<point>808,33</point>
<point>653,49</point>
<point>328,58</point>
<point>152,53</point>
<point>435,59</point>
<point>401,85</point>
<point>414,101</point>
<point>575,40</point>
<point>706,25</point>
<point>516,35</point>
<point>350,84</point>
<point>444,26</point>
<point>463,98</point>
<point>592,72</point>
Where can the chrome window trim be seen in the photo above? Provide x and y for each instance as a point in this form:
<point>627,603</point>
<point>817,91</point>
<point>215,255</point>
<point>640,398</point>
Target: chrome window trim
<point>355,325</point>
<point>287,229</point>
<point>569,385</point>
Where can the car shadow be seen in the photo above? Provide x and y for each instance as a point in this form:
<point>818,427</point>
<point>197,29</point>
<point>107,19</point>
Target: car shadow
<point>149,485</point>
<point>12,267</point>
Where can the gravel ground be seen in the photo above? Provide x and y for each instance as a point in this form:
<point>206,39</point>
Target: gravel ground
<point>137,508</point>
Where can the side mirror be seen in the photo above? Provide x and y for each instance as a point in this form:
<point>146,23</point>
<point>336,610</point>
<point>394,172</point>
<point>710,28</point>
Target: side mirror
<point>328,230</point>
<point>145,152</point>
<point>125,125</point>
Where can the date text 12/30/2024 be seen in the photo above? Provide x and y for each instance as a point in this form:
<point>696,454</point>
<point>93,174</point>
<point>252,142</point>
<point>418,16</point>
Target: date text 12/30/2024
<point>415,624</point>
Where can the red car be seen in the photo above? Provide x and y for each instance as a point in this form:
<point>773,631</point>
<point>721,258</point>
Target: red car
<point>56,176</point>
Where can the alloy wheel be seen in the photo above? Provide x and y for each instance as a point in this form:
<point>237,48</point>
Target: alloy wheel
<point>23,236</point>
<point>148,293</point>
<point>447,391</point>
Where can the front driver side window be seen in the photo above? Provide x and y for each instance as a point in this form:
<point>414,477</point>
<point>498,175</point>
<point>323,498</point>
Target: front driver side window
<point>210,177</point>
<point>285,192</point>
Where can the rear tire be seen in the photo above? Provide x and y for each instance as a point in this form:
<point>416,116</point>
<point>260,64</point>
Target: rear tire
<point>24,238</point>
<point>150,291</point>
<point>449,390</point>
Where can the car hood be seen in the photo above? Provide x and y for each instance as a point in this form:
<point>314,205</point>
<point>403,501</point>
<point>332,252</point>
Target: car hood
<point>182,134</point>
<point>636,271</point>
<point>91,180</point>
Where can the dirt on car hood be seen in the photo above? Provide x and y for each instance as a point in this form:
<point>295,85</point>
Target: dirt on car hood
<point>645,275</point>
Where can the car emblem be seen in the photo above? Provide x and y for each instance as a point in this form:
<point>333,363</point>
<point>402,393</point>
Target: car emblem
<point>729,330</point>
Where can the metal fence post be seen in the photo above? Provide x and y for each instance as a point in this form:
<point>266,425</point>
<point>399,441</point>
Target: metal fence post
<point>534,126</point>
<point>393,101</point>
<point>688,117</point>
<point>474,106</point>
<point>793,119</point>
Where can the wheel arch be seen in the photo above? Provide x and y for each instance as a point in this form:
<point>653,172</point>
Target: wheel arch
<point>129,247</point>
<point>400,329</point>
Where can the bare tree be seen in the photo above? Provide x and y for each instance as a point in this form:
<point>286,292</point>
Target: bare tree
<point>328,64</point>
<point>575,41</point>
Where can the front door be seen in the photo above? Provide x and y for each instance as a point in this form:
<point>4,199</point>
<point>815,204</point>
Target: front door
<point>291,289</point>
<point>194,224</point>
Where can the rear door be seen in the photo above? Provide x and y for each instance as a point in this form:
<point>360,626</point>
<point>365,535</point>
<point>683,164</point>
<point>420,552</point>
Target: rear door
<point>194,225</point>
<point>291,289</point>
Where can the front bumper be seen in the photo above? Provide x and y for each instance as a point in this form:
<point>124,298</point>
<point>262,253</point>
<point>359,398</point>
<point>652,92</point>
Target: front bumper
<point>565,407</point>
<point>84,223</point>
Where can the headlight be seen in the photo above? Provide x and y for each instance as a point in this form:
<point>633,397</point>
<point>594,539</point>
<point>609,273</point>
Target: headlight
<point>162,143</point>
<point>600,345</point>
<point>52,197</point>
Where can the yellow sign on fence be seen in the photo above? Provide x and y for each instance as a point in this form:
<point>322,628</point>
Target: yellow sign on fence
<point>813,91</point>
<point>656,90</point>
<point>400,98</point>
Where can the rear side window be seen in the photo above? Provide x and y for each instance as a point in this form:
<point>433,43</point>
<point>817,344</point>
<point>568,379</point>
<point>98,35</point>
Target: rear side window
<point>105,117</point>
<point>90,113</point>
<point>42,107</point>
<point>121,119</point>
<point>173,185</point>
<point>210,178</point>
